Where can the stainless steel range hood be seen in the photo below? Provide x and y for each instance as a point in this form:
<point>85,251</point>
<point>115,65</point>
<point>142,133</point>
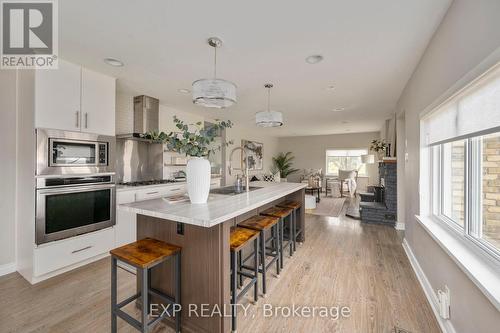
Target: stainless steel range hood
<point>146,117</point>
<point>140,159</point>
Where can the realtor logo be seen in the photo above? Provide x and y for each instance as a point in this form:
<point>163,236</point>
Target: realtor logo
<point>29,34</point>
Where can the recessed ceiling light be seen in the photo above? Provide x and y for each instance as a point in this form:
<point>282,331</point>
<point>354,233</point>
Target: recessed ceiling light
<point>330,88</point>
<point>345,122</point>
<point>338,109</point>
<point>184,91</point>
<point>113,62</point>
<point>314,59</point>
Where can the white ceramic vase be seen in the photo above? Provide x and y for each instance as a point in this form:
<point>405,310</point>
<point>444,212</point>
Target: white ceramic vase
<point>198,179</point>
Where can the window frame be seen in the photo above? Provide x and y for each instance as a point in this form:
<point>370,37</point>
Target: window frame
<point>365,150</point>
<point>473,222</point>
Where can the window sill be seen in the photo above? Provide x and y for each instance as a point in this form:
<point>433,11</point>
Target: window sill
<point>478,266</point>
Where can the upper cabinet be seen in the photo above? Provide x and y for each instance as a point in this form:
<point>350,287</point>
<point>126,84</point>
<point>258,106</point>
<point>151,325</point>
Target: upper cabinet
<point>57,97</point>
<point>98,103</point>
<point>75,99</point>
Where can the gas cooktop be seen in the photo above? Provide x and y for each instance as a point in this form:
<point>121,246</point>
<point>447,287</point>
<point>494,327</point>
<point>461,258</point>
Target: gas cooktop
<point>149,182</point>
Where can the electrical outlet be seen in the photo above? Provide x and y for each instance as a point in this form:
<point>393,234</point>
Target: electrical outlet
<point>444,302</point>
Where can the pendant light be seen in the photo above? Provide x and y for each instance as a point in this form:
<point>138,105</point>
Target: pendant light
<point>269,118</point>
<point>214,93</point>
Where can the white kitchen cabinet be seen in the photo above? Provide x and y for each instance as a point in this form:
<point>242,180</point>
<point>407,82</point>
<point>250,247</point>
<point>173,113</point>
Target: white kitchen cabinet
<point>57,97</point>
<point>75,99</point>
<point>98,103</point>
<point>59,254</point>
<point>126,222</point>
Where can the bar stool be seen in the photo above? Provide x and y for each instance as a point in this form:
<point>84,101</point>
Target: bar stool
<point>262,224</point>
<point>144,255</point>
<point>296,206</point>
<point>282,213</point>
<point>239,238</point>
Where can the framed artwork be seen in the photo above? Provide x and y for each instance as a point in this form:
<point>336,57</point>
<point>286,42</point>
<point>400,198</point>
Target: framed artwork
<point>255,154</point>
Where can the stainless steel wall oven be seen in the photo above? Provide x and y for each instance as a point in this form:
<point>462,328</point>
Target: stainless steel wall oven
<point>70,206</point>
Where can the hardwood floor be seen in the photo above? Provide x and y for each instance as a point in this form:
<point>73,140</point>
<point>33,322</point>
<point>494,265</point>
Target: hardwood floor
<point>343,263</point>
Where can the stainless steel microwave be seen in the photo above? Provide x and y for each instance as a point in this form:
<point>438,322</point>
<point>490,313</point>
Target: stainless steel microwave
<point>65,152</point>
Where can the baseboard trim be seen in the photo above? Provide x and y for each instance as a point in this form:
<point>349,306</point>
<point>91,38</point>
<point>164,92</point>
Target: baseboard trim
<point>7,268</point>
<point>446,325</point>
<point>399,226</point>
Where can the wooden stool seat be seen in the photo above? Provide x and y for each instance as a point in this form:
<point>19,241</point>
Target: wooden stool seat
<point>145,252</point>
<point>280,212</point>
<point>239,237</point>
<point>259,223</point>
<point>290,204</point>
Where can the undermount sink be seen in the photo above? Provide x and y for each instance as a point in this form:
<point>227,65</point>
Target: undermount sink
<point>231,190</point>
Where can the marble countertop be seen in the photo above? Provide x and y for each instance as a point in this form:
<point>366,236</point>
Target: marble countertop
<point>218,209</point>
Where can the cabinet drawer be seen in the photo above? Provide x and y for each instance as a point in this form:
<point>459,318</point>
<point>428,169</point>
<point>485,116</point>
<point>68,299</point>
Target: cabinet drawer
<point>215,183</point>
<point>123,197</point>
<point>158,192</point>
<point>175,190</point>
<point>52,256</point>
<point>148,194</point>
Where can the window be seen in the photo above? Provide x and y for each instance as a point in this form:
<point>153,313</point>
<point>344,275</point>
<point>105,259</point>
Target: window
<point>488,179</point>
<point>453,185</point>
<point>462,137</point>
<point>466,185</point>
<point>347,159</point>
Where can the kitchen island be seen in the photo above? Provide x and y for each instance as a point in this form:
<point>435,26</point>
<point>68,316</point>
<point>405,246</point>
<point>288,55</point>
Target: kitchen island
<point>202,230</point>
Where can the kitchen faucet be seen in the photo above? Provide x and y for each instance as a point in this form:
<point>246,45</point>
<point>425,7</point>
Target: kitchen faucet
<point>231,169</point>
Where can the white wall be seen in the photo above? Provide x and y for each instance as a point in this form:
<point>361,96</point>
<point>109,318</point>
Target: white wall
<point>8,109</point>
<point>309,151</point>
<point>125,119</point>
<point>469,33</point>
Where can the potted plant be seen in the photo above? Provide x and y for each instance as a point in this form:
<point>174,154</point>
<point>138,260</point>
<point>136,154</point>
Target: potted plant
<point>195,144</point>
<point>283,163</point>
<point>379,146</point>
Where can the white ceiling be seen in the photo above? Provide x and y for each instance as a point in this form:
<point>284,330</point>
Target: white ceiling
<point>370,50</point>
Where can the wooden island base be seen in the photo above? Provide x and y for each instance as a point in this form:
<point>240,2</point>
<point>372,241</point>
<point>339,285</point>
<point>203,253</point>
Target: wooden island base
<point>205,277</point>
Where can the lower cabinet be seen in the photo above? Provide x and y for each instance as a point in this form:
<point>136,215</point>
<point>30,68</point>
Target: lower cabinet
<point>52,256</point>
<point>126,222</point>
<point>125,227</point>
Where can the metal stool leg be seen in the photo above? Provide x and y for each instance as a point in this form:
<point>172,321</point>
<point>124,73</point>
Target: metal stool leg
<point>290,234</point>
<point>178,314</point>
<point>276,247</point>
<point>256,268</point>
<point>282,228</point>
<point>234,292</point>
<point>144,295</point>
<point>113,294</point>
<point>240,277</point>
<point>294,230</point>
<point>149,286</point>
<point>262,238</point>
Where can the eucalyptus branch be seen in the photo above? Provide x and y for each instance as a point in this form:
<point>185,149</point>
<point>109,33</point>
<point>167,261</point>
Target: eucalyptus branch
<point>196,143</point>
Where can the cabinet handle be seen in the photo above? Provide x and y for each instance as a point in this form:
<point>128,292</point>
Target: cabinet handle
<point>77,119</point>
<point>175,189</point>
<point>86,120</point>
<point>82,249</point>
<point>149,193</point>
